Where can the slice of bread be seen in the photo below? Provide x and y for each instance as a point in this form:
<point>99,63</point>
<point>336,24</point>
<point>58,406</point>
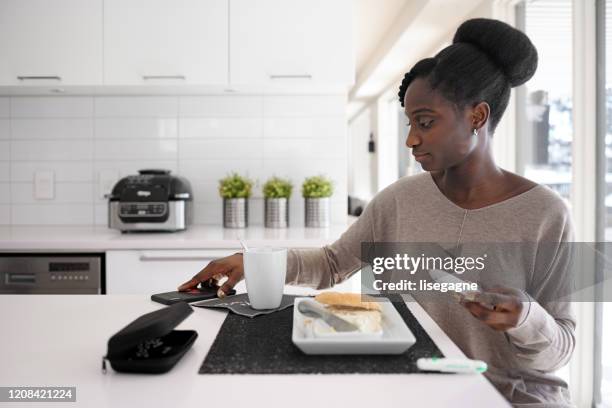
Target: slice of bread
<point>354,301</point>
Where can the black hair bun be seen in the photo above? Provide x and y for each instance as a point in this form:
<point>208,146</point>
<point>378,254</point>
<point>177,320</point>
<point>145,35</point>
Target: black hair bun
<point>510,49</point>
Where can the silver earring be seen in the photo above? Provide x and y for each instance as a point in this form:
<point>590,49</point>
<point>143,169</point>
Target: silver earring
<point>475,132</point>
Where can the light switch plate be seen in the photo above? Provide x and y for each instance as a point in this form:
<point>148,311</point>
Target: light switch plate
<point>44,185</point>
<point>106,181</point>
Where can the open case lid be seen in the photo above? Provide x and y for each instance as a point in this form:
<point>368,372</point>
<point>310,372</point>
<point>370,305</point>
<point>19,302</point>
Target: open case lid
<point>148,326</point>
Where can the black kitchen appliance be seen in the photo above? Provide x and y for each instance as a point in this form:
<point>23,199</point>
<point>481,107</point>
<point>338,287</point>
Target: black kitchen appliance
<point>153,200</point>
<point>52,273</point>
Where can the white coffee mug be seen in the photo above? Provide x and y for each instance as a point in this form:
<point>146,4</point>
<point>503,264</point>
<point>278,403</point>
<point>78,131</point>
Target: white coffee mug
<point>264,271</point>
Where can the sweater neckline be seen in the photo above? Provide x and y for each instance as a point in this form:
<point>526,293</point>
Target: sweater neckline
<point>444,198</point>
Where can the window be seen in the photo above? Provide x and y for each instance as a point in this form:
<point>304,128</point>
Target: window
<point>544,104</point>
<point>407,165</point>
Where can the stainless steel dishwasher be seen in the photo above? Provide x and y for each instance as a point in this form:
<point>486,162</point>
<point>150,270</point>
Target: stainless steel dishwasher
<point>30,273</point>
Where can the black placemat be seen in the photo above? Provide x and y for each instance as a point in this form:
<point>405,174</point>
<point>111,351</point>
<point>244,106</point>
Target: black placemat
<point>263,346</point>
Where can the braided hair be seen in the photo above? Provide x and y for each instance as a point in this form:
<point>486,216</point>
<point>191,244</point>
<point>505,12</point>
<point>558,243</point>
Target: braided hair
<point>486,59</point>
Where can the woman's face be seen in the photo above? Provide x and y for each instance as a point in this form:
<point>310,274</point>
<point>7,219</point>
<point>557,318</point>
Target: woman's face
<point>440,136</point>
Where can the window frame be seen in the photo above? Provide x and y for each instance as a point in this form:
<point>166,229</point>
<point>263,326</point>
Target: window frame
<point>600,187</point>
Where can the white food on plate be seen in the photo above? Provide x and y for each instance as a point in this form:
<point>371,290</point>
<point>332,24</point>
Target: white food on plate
<point>368,321</point>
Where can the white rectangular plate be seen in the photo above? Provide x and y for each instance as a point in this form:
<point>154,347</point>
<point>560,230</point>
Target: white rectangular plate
<point>396,338</point>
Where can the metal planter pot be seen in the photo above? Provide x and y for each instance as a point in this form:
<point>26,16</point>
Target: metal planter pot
<point>276,213</point>
<point>235,212</point>
<point>317,212</point>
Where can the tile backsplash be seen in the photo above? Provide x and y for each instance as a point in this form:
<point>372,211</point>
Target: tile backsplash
<point>88,142</point>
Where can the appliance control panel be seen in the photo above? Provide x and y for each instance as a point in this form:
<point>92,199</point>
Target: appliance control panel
<point>69,271</point>
<point>142,209</point>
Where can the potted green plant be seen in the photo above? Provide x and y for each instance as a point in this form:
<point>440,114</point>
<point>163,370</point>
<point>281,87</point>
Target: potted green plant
<point>235,191</point>
<point>277,192</point>
<point>316,192</point>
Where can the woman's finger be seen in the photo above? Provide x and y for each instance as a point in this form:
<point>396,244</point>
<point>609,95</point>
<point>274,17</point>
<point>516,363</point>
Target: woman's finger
<point>493,318</point>
<point>219,279</point>
<point>204,275</point>
<point>496,301</point>
<point>477,310</point>
<point>232,280</point>
<point>190,284</point>
<point>500,327</point>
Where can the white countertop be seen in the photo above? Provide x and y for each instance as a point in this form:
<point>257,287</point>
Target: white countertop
<point>82,239</point>
<point>59,340</point>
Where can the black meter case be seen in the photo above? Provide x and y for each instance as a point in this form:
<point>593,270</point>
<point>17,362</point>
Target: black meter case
<point>150,344</point>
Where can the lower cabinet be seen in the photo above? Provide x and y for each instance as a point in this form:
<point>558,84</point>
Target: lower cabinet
<point>154,271</point>
<point>146,272</point>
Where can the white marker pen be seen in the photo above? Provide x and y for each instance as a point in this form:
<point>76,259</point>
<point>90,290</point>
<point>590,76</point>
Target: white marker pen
<point>452,365</point>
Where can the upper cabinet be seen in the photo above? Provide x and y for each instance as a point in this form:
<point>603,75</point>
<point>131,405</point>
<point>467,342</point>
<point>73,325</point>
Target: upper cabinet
<point>161,42</point>
<point>55,42</point>
<point>290,42</point>
<point>266,44</point>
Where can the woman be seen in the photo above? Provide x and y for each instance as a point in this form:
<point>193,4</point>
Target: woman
<point>454,101</point>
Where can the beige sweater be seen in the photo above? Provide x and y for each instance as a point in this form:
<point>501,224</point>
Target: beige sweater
<point>522,360</point>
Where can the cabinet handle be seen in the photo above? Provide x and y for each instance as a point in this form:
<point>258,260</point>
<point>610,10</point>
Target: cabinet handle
<point>36,77</point>
<point>148,77</point>
<point>290,76</point>
<point>148,258</point>
<point>11,278</point>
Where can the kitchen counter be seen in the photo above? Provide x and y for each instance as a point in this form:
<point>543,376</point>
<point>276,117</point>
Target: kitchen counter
<point>60,340</point>
<point>99,239</point>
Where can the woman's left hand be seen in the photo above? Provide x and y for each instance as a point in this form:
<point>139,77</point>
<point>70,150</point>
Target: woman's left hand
<point>499,308</point>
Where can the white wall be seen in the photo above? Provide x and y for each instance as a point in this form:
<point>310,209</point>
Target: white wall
<point>87,139</point>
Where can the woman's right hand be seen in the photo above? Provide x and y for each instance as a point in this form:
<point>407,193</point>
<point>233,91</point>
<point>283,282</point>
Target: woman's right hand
<point>230,267</point>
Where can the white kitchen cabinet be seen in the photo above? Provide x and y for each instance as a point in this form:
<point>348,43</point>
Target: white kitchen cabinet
<point>158,42</point>
<point>55,42</point>
<point>291,42</point>
<point>155,271</point>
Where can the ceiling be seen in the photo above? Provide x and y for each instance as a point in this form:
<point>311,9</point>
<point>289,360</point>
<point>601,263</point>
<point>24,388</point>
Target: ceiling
<point>392,35</point>
<point>371,20</point>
